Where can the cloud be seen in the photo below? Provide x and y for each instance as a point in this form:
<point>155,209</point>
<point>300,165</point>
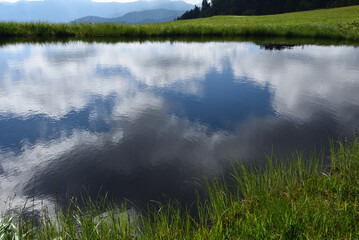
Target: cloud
<point>300,77</point>
<point>45,166</point>
<point>142,155</point>
<point>76,72</point>
<point>55,80</point>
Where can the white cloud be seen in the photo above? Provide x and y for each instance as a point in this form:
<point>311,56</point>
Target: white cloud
<point>19,169</point>
<point>34,160</point>
<point>76,72</point>
<point>312,74</point>
<point>132,107</point>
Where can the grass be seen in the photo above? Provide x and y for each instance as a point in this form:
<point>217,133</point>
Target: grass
<point>338,23</point>
<point>294,199</point>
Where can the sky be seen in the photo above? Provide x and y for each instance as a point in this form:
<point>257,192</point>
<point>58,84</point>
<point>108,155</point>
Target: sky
<point>69,10</point>
<point>13,1</point>
<point>119,1</point>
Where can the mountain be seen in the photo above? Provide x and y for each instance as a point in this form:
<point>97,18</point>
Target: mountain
<point>147,16</point>
<point>68,10</point>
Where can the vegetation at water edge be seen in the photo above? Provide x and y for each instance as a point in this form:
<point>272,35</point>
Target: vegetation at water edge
<point>295,199</point>
<point>338,23</point>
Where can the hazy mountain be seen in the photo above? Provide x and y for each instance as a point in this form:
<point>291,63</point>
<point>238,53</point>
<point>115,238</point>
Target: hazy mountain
<point>147,16</point>
<point>68,10</point>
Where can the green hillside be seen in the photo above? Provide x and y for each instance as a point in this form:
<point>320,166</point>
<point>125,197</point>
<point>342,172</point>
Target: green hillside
<point>338,23</point>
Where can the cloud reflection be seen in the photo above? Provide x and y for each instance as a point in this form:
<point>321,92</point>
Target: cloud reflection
<point>149,149</point>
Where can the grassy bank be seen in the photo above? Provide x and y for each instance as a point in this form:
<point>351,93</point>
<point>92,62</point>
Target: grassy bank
<point>339,23</point>
<point>298,199</point>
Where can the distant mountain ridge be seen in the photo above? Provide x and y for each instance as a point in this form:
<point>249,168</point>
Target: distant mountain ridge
<point>69,10</point>
<point>140,17</point>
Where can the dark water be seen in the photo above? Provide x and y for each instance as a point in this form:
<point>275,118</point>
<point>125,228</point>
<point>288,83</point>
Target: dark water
<point>141,119</point>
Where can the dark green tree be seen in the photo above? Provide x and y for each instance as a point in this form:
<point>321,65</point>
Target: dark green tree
<point>206,10</point>
<point>193,13</point>
<point>260,7</point>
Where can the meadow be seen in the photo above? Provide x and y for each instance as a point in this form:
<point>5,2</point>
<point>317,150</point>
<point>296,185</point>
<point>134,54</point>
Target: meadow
<point>338,23</point>
<point>299,198</point>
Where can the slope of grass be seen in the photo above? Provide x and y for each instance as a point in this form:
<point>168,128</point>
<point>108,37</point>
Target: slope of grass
<point>339,23</point>
<point>296,199</point>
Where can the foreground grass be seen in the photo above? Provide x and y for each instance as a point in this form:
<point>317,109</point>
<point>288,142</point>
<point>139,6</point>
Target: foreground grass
<point>339,23</point>
<point>296,199</point>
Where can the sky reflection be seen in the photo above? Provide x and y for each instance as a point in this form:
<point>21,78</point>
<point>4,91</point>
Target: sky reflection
<point>138,120</point>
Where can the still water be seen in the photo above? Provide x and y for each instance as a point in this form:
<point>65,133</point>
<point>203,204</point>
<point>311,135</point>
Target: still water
<point>138,120</point>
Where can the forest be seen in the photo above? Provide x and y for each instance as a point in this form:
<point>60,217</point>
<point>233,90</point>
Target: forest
<point>260,7</point>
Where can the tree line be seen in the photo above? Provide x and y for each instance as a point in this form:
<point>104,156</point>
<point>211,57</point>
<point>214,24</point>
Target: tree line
<point>260,7</point>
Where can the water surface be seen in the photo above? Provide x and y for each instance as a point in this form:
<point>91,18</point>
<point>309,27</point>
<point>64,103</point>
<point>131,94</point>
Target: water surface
<point>139,120</point>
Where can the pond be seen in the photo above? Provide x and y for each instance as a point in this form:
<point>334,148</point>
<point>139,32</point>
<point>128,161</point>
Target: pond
<point>144,120</point>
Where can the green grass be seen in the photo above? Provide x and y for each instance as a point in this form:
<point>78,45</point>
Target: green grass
<point>338,23</point>
<point>293,199</point>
